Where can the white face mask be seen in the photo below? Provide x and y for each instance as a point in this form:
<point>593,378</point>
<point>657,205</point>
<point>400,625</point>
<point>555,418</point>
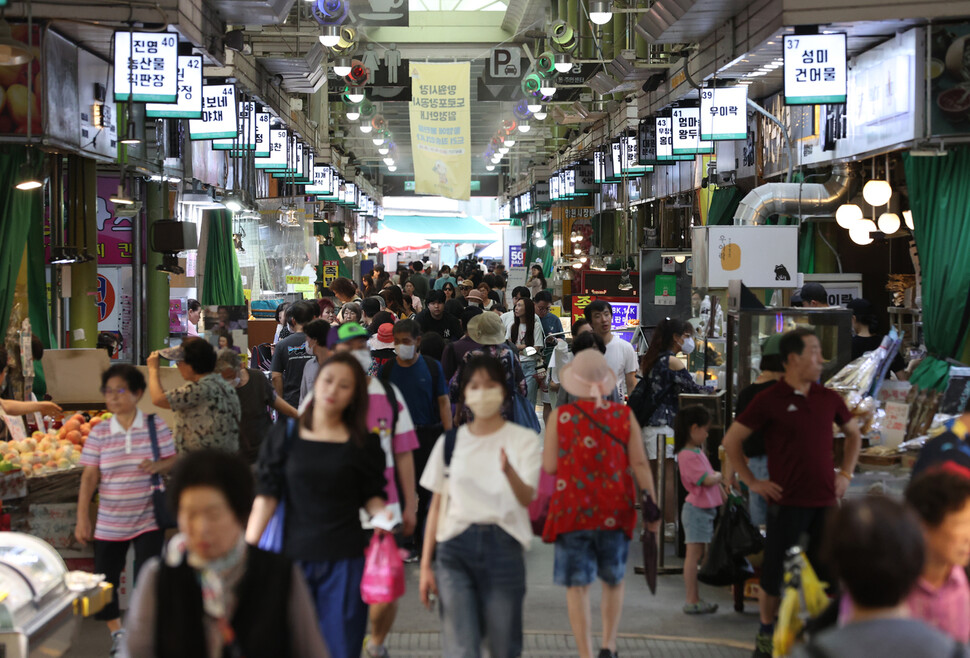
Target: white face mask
<point>363,358</point>
<point>688,346</point>
<point>235,382</point>
<point>306,346</point>
<point>485,402</point>
<point>406,352</point>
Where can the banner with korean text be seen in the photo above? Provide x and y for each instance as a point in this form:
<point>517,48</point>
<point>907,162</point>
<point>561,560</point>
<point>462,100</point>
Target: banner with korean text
<point>441,129</point>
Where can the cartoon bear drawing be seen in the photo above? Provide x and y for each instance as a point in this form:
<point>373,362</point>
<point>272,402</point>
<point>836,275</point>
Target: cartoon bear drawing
<point>781,273</point>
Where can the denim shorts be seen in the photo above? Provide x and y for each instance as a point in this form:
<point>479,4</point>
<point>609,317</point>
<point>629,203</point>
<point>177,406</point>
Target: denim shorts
<point>582,555</point>
<point>698,524</point>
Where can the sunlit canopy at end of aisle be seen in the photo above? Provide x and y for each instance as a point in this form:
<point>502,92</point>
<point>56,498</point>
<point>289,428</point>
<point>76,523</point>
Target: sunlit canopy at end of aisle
<point>444,230</point>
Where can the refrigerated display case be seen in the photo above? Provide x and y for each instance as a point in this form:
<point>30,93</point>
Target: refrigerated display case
<point>748,329</point>
<point>41,602</point>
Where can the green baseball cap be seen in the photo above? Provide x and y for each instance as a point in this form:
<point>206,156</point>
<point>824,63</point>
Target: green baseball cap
<point>771,346</point>
<point>350,331</point>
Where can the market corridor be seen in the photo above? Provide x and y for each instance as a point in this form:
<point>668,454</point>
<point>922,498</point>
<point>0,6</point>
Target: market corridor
<point>652,625</point>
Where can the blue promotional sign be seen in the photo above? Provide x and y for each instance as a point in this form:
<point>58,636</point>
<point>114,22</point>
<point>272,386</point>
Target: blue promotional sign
<point>516,256</point>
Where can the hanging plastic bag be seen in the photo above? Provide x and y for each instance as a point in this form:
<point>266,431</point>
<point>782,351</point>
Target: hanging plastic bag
<point>721,567</point>
<point>539,508</point>
<point>743,537</point>
<point>383,580</point>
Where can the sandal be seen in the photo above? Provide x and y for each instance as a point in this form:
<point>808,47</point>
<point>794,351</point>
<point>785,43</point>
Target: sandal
<point>700,608</point>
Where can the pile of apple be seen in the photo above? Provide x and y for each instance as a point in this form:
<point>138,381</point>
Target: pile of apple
<point>51,452</point>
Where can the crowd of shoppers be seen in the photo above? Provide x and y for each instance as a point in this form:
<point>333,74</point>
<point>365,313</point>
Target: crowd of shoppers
<point>399,411</point>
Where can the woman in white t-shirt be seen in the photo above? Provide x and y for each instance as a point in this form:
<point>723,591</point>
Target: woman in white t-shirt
<point>479,520</point>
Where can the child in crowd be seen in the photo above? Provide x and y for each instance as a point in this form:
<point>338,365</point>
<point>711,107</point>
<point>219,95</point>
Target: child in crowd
<point>941,596</point>
<point>703,498</point>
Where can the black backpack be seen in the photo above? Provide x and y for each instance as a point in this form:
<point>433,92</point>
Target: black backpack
<point>642,403</point>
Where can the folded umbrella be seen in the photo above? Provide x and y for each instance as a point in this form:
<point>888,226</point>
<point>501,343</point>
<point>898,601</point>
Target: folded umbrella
<point>648,539</point>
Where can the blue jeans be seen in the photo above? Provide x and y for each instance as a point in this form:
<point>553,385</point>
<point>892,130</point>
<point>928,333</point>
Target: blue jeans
<point>758,506</point>
<point>342,614</point>
<point>582,555</point>
<point>481,584</point>
<point>531,383</point>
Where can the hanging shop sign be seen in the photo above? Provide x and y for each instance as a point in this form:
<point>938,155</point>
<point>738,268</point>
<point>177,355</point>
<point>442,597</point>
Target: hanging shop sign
<point>760,256</point>
<point>656,138</point>
<point>322,181</point>
<point>630,157</point>
<point>584,177</point>
<point>815,68</point>
<point>541,194</point>
<point>246,136</point>
<point>262,135</point>
<point>613,159</point>
<point>440,129</point>
<point>567,183</point>
<point>277,151</point>
<point>687,132</point>
<point>115,236</point>
<point>599,167</point>
<point>188,104</point>
<point>146,67</point>
<point>724,113</point>
<point>219,114</point>
<point>329,270</point>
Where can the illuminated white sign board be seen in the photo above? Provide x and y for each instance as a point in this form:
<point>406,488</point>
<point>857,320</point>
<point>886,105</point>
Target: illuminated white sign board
<point>631,160</point>
<point>262,134</point>
<point>815,69</point>
<point>146,67</point>
<point>189,102</point>
<point>322,181</point>
<point>724,114</point>
<point>247,124</point>
<point>277,151</point>
<point>665,138</point>
<point>219,114</point>
<point>687,132</point>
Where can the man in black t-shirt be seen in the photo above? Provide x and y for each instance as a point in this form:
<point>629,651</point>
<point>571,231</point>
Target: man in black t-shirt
<point>433,317</point>
<point>290,354</point>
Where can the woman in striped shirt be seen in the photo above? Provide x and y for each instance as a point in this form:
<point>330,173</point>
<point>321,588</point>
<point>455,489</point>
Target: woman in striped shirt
<point>117,460</point>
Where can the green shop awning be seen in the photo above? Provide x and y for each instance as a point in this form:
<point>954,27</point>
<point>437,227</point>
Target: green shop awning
<point>442,229</point>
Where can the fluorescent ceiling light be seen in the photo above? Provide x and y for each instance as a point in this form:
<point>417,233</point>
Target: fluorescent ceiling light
<point>489,167</point>
<point>534,107</point>
<point>391,167</point>
<point>353,115</point>
<point>366,128</point>
<point>540,115</point>
<point>524,128</point>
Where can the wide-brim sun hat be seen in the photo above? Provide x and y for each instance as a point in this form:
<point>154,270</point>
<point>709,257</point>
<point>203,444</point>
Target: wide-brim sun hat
<point>588,375</point>
<point>486,329</point>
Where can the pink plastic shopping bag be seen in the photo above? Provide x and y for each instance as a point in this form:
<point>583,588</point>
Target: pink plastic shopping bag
<point>383,580</point>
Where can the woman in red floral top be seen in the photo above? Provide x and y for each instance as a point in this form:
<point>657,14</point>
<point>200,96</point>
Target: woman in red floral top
<point>594,450</point>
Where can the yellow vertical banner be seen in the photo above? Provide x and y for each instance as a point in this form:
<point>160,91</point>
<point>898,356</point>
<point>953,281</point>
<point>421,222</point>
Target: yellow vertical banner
<point>441,129</point>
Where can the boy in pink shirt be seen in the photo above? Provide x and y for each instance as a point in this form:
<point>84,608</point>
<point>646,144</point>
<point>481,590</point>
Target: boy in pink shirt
<point>703,498</point>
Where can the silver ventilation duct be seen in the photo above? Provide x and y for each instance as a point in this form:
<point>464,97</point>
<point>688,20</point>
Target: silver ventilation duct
<point>798,199</point>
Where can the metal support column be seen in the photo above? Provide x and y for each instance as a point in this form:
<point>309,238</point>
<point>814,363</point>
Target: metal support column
<point>83,233</point>
<point>156,283</point>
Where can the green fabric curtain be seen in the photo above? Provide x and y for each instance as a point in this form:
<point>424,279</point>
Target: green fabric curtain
<point>329,252</point>
<point>724,202</point>
<point>37,300</point>
<point>18,211</point>
<point>544,254</point>
<point>223,283</point>
<point>940,199</point>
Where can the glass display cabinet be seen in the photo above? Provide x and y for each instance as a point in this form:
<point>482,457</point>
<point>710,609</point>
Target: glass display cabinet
<point>747,329</point>
<point>41,602</point>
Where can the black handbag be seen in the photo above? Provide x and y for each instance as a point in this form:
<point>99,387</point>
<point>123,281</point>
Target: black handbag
<point>163,514</point>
